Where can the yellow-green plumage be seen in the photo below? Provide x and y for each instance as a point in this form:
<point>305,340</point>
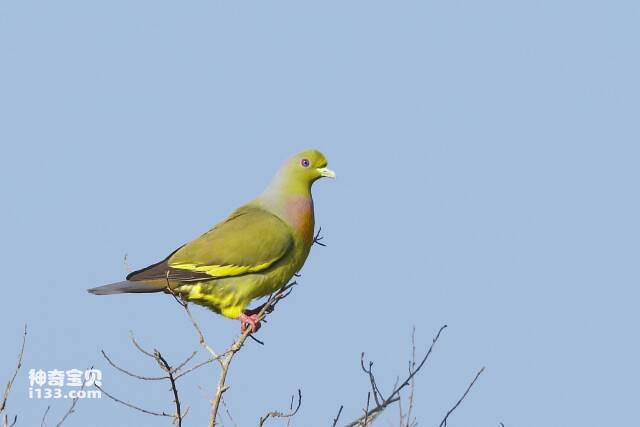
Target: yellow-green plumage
<point>252,253</point>
<point>276,253</point>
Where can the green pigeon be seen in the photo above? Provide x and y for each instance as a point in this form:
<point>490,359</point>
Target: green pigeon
<point>252,253</point>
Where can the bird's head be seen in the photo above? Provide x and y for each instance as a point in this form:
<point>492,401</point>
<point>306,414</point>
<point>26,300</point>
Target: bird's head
<point>307,166</point>
<point>299,172</point>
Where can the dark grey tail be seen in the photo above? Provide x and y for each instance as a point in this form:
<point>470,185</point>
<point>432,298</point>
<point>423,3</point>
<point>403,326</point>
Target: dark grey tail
<point>126,287</point>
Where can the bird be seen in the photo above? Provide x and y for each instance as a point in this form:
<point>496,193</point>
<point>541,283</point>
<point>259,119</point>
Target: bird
<point>252,253</point>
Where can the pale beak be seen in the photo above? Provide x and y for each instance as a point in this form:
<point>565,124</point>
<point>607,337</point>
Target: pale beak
<point>327,172</point>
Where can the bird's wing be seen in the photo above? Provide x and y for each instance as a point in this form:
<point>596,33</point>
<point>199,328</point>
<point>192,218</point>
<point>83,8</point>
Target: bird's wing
<point>249,241</point>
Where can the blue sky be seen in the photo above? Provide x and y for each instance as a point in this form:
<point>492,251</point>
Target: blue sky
<point>487,159</point>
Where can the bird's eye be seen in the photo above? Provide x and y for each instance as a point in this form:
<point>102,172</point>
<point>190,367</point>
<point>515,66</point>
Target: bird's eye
<point>305,163</point>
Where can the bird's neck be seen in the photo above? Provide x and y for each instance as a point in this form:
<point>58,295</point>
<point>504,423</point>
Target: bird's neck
<point>292,203</point>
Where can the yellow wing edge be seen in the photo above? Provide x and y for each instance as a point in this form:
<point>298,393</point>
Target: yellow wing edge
<point>223,270</point>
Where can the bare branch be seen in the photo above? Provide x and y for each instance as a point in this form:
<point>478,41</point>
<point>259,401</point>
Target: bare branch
<point>173,373</point>
<point>171,376</point>
<point>71,409</point>
<point>193,368</point>
<point>424,360</point>
<point>226,410</point>
<point>185,305</point>
<point>7,390</point>
<point>366,410</point>
<point>335,420</point>
<point>372,379</point>
<point>203,342</point>
<point>129,405</point>
<point>450,411</point>
<point>227,357</point>
<point>291,407</point>
<point>412,385</point>
<point>400,413</point>
<point>176,399</point>
<point>6,421</point>
<point>278,414</point>
<point>43,423</point>
<point>139,347</point>
<point>127,267</point>
<point>183,364</point>
<point>394,396</point>
<point>131,374</point>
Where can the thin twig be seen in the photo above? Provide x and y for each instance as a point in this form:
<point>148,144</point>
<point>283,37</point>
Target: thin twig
<point>193,368</point>
<point>7,390</point>
<point>291,408</point>
<point>139,347</point>
<point>43,423</point>
<point>366,411</point>
<point>203,342</point>
<point>256,339</point>
<point>394,396</point>
<point>137,408</point>
<point>185,305</point>
<point>74,402</point>
<point>173,373</point>
<point>424,359</point>
<point>374,386</point>
<point>278,414</point>
<point>412,385</point>
<point>176,399</point>
<point>443,423</point>
<point>127,267</point>
<point>226,409</point>
<point>183,364</point>
<point>400,413</point>
<point>335,420</point>
<point>131,374</point>
<point>6,421</point>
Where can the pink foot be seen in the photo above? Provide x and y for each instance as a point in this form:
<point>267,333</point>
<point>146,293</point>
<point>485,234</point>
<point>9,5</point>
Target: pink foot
<point>251,320</point>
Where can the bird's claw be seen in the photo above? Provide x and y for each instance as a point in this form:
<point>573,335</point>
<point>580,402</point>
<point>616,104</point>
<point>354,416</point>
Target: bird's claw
<point>249,320</point>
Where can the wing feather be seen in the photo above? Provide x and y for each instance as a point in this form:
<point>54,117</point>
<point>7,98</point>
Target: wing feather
<point>249,241</point>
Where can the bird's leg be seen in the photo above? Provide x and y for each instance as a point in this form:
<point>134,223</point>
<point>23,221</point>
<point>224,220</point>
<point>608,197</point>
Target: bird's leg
<point>270,303</point>
<point>250,319</point>
<point>258,309</point>
<point>250,316</point>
